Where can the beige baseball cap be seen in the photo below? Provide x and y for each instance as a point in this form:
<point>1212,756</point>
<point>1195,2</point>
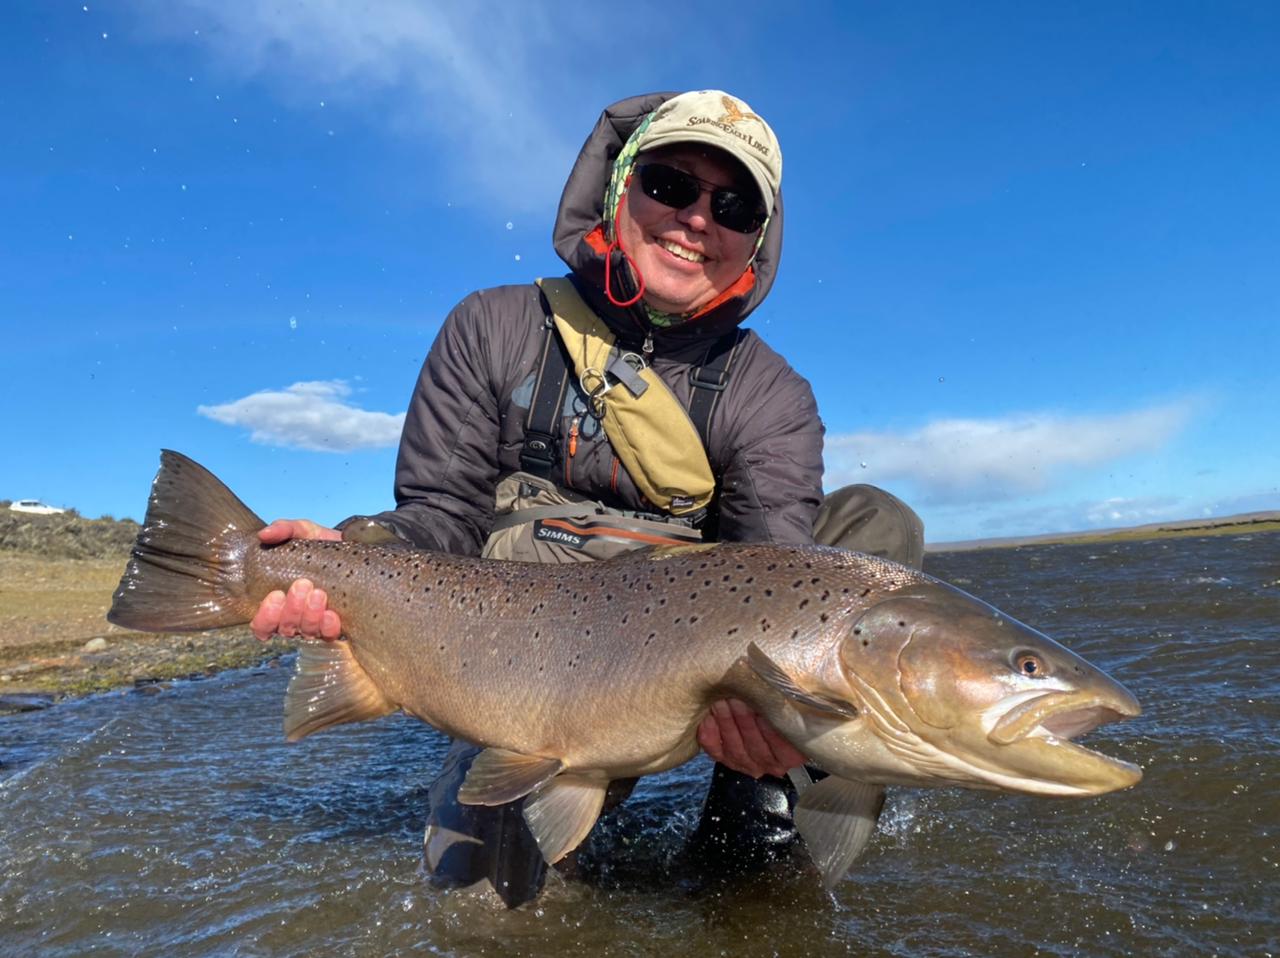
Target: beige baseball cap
<point>717,119</point>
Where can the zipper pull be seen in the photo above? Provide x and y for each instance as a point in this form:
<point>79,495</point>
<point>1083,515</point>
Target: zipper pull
<point>647,348</point>
<point>573,436</point>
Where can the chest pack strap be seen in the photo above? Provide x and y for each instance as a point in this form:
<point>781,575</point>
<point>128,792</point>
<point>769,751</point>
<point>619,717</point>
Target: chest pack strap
<point>709,381</point>
<point>540,453</point>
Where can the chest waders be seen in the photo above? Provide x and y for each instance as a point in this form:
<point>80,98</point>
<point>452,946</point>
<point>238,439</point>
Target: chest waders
<point>745,823</point>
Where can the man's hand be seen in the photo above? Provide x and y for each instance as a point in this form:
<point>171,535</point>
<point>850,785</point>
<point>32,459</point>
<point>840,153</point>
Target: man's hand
<point>738,738</point>
<point>304,609</point>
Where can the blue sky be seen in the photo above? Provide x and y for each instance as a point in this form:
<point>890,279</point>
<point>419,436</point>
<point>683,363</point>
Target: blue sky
<point>1030,263</point>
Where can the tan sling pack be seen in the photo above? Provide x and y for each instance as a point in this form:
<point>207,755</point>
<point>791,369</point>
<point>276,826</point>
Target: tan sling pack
<point>648,427</point>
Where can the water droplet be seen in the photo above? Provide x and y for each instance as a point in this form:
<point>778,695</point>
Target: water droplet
<point>517,257</point>
<point>942,379</point>
<point>293,322</point>
<point>510,225</point>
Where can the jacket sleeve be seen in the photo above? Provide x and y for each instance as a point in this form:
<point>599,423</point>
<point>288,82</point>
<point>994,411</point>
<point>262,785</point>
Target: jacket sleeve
<point>772,485</point>
<point>447,467</point>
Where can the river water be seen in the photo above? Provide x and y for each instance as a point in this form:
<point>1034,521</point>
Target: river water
<point>180,823</point>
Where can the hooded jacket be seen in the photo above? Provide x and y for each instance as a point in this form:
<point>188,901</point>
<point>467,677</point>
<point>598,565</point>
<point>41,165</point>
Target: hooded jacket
<point>464,428</point>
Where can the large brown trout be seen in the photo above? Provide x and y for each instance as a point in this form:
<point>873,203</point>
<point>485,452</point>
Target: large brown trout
<point>574,675</point>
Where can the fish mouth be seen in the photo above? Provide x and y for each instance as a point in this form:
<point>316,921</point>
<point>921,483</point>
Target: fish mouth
<point>1042,727</point>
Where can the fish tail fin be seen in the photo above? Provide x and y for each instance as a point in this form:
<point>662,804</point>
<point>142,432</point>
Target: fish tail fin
<point>186,571</point>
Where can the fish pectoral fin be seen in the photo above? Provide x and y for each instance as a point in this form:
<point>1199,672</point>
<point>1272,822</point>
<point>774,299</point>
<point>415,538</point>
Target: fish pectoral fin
<point>562,813</point>
<point>779,678</point>
<point>330,687</point>
<point>498,776</point>
<point>836,818</point>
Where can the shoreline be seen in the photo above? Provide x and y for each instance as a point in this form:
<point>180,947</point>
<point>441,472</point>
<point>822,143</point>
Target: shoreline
<point>55,641</point>
<point>1249,523</point>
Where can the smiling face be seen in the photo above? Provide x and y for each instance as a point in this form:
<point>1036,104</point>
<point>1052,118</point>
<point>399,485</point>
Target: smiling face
<point>685,257</point>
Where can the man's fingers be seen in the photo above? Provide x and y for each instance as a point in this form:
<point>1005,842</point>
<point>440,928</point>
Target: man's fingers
<point>295,604</point>
<point>282,530</point>
<point>736,754</point>
<point>267,619</point>
<point>765,749</point>
<point>313,612</point>
<point>330,625</point>
<point>278,531</point>
<point>787,755</point>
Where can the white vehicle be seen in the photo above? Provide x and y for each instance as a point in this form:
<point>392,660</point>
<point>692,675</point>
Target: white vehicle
<point>35,506</point>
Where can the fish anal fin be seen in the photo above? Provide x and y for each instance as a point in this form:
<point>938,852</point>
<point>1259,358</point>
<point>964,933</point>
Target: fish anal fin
<point>562,813</point>
<point>780,679</point>
<point>499,775</point>
<point>836,818</point>
<point>329,687</point>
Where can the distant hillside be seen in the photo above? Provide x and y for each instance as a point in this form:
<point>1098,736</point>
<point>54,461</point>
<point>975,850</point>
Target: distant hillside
<point>65,536</point>
<point>1243,522</point>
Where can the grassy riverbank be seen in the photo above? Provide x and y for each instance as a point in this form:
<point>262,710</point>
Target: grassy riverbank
<point>57,574</point>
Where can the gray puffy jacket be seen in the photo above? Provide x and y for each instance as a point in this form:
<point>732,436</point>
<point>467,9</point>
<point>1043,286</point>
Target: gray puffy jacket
<point>465,424</point>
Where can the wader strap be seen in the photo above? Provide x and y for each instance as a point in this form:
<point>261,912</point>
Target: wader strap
<point>709,380</point>
<point>541,450</point>
<point>570,510</point>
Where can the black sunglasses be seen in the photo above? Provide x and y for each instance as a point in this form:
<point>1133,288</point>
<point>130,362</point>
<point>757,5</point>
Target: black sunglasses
<point>730,208</point>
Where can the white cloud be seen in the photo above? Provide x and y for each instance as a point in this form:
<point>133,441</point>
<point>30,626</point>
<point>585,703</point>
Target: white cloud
<point>466,74</point>
<point>955,460</point>
<point>312,415</point>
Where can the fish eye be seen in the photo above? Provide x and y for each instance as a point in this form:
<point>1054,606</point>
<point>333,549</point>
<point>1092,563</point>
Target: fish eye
<point>1029,664</point>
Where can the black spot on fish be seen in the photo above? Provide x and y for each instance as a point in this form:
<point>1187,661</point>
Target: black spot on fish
<point>733,631</point>
<point>768,593</point>
<point>765,625</point>
<point>803,603</point>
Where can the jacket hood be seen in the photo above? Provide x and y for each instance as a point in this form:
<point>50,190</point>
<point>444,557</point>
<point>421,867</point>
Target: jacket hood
<point>581,214</point>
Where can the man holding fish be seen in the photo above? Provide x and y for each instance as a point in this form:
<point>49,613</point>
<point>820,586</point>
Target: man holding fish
<point>622,407</point>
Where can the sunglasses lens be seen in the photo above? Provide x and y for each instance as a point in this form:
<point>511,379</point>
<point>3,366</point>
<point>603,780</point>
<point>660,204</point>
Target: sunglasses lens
<point>678,189</point>
<point>669,186</point>
<point>735,212</point>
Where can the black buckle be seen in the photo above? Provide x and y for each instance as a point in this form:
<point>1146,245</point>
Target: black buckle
<point>539,449</point>
<point>715,385</point>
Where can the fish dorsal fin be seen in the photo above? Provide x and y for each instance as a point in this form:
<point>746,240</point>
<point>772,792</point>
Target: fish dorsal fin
<point>562,812</point>
<point>499,775</point>
<point>836,818</point>
<point>330,687</point>
<point>779,678</point>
